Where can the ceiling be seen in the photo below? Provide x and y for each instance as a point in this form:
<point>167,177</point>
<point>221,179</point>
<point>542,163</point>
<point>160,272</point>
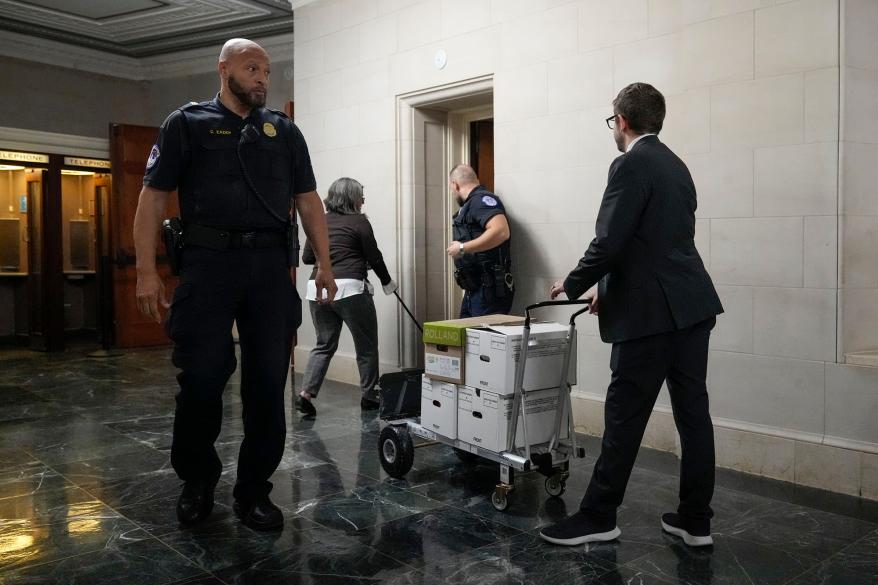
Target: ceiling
<point>144,28</point>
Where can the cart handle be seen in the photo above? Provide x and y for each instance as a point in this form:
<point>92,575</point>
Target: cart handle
<point>542,304</point>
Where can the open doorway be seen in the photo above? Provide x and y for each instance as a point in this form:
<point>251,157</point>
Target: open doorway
<point>438,128</point>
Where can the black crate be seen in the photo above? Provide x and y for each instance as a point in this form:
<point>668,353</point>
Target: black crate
<point>400,394</point>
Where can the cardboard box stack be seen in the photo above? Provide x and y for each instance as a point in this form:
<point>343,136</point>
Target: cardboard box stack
<point>469,381</point>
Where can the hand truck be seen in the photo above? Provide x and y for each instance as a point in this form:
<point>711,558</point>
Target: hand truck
<point>552,459</point>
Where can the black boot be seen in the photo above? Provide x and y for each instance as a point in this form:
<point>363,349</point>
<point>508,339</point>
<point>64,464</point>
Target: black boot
<point>259,514</point>
<point>196,501</point>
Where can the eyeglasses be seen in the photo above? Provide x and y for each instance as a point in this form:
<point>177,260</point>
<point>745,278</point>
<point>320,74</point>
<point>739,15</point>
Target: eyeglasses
<point>611,122</point>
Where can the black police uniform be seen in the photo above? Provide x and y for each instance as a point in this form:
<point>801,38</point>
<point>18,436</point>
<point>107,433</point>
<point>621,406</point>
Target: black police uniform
<point>234,268</point>
<point>485,276</point>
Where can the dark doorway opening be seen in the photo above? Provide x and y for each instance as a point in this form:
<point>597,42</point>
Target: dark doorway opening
<point>481,154</point>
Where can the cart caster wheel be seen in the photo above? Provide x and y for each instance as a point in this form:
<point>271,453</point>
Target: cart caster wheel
<point>396,450</point>
<point>499,500</point>
<point>466,456</point>
<point>555,486</point>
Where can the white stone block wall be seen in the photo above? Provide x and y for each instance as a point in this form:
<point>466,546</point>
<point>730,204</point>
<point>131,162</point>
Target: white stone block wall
<point>752,90</point>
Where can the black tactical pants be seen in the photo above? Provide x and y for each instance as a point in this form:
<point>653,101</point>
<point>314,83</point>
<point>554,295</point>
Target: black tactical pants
<point>483,301</point>
<point>217,288</point>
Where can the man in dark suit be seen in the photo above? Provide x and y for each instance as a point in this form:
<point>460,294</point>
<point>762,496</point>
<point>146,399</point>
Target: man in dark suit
<point>657,307</point>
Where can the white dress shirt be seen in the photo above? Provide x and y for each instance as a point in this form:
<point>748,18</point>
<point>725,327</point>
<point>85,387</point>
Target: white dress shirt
<point>633,142</point>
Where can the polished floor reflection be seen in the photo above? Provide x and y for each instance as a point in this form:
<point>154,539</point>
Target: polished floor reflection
<point>87,496</point>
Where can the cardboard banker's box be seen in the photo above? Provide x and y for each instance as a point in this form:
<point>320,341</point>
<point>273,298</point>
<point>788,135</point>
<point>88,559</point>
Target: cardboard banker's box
<point>439,407</point>
<point>444,341</point>
<point>483,418</point>
<point>492,354</point>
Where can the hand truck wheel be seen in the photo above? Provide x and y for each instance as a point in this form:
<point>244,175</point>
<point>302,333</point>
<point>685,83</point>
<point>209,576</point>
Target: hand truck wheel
<point>396,450</point>
<point>555,485</point>
<point>500,500</point>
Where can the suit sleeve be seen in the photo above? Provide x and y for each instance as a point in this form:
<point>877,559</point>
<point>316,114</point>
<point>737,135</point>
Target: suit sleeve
<point>372,253</point>
<point>622,205</point>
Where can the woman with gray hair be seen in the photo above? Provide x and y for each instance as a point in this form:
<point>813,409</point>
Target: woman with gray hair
<point>353,251</point>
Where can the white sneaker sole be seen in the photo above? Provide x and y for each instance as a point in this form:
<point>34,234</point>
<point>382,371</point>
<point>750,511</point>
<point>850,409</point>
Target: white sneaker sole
<point>594,537</point>
<point>687,538</point>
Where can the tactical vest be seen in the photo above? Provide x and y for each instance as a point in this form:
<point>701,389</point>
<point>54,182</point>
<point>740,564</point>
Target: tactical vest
<point>215,189</point>
<point>465,229</point>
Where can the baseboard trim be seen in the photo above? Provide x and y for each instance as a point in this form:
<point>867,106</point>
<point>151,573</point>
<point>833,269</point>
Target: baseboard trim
<point>831,463</point>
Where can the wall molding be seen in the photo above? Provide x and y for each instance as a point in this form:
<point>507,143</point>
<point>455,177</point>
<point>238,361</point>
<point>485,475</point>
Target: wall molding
<point>54,143</point>
<point>781,433</point>
<point>179,64</point>
<point>409,214</point>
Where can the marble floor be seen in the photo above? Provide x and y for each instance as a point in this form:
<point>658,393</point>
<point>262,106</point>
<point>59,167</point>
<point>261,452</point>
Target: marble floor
<point>87,495</point>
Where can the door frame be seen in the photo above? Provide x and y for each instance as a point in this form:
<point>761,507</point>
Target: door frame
<point>409,210</point>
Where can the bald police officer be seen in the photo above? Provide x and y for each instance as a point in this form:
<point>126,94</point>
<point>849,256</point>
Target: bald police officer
<point>483,267</point>
<point>237,167</point>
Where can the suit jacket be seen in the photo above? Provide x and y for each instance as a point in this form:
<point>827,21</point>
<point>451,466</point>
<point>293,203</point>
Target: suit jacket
<point>652,279</point>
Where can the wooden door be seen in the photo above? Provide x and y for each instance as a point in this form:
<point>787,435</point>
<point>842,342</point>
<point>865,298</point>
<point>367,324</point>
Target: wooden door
<point>37,185</point>
<point>103,262</point>
<point>129,149</point>
<point>482,151</point>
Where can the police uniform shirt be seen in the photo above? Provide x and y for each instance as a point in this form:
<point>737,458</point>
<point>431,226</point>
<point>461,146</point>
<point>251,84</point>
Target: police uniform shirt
<point>197,153</point>
<point>480,206</point>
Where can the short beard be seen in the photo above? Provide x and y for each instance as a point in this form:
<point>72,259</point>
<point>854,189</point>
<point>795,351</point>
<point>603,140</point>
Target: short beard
<point>251,99</point>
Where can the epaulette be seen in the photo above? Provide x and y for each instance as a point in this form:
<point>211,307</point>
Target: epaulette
<point>190,104</point>
<point>279,112</point>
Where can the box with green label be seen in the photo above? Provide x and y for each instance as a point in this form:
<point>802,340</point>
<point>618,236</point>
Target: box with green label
<point>445,344</point>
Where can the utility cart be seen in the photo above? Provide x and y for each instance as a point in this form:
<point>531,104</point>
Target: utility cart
<point>396,447</point>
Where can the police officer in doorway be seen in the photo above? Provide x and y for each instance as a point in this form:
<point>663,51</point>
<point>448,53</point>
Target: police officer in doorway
<point>238,167</point>
<point>483,267</point>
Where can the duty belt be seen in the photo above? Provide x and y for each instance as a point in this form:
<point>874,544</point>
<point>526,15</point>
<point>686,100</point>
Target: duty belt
<point>219,239</point>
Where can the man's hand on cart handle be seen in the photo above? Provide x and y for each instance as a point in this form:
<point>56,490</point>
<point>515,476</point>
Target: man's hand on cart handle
<point>591,295</point>
<point>556,289</point>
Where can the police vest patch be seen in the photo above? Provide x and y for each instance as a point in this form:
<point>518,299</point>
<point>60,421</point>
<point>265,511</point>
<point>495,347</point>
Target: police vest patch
<point>489,201</point>
<point>153,156</point>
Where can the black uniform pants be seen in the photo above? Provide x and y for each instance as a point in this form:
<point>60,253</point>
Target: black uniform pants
<point>638,369</point>
<point>217,288</point>
<point>483,301</point>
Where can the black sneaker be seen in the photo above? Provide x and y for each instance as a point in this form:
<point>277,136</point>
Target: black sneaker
<point>693,533</point>
<point>578,529</point>
<point>260,514</point>
<point>305,406</point>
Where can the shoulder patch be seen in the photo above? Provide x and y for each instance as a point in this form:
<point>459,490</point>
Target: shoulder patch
<point>489,201</point>
<point>154,155</point>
